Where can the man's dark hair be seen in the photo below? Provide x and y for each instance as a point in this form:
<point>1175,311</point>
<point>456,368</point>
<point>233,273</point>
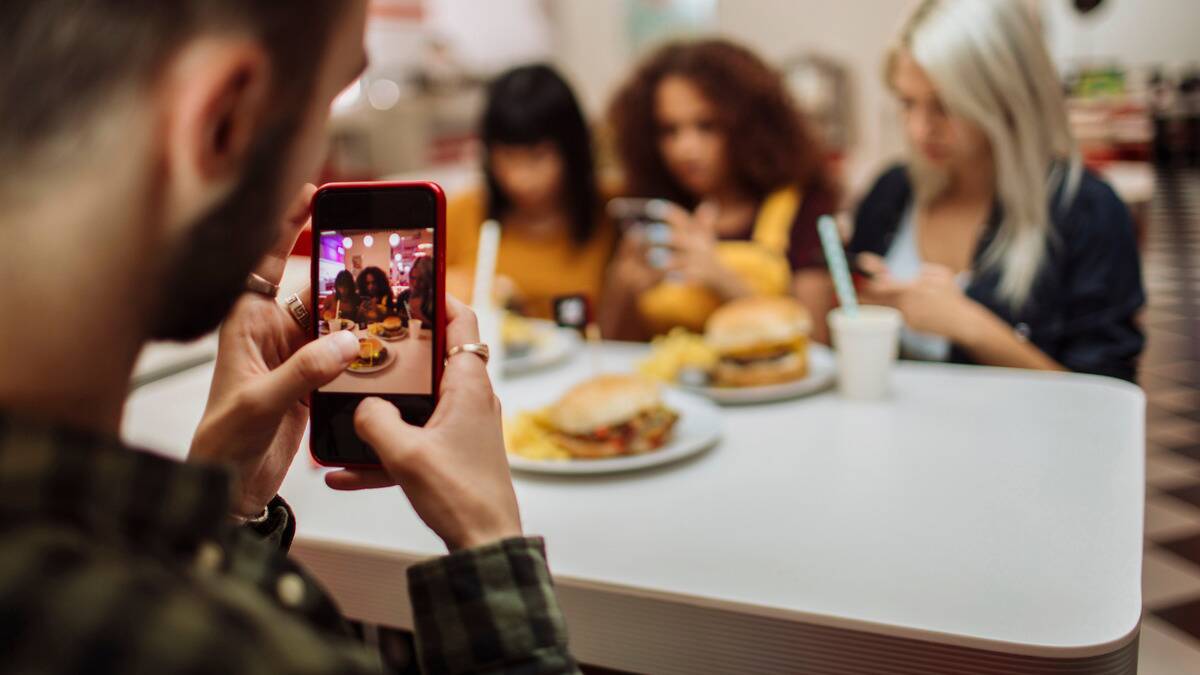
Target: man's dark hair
<point>531,104</point>
<point>65,59</point>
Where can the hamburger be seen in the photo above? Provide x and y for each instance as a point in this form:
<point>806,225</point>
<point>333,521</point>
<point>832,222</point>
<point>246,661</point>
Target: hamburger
<point>393,327</point>
<point>611,415</point>
<point>758,341</point>
<point>371,353</point>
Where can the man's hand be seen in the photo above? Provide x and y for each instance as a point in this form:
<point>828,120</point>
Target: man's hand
<point>453,470</point>
<point>257,410</point>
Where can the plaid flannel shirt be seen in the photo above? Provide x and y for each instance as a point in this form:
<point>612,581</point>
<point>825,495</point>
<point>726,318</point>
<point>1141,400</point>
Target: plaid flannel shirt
<point>113,560</point>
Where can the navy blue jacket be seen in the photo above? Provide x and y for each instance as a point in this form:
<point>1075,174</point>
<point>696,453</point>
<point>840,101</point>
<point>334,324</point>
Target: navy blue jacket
<point>1082,309</point>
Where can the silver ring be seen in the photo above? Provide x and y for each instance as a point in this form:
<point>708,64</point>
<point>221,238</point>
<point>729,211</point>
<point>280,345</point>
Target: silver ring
<point>477,348</point>
<point>257,284</point>
<point>295,307</point>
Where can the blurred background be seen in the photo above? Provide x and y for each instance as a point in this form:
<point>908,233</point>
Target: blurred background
<point>1131,69</point>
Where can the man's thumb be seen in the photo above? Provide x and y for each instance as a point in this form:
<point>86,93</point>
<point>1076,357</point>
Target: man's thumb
<point>313,365</point>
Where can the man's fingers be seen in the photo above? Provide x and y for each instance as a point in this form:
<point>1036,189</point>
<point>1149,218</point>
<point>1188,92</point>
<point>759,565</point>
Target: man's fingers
<point>297,334</point>
<point>358,479</point>
<point>313,365</point>
<point>461,327</point>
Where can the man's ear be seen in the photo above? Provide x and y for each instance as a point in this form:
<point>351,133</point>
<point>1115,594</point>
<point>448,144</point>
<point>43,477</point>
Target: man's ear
<point>214,99</point>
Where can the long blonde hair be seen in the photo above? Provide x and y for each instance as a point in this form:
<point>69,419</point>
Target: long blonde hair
<point>991,67</point>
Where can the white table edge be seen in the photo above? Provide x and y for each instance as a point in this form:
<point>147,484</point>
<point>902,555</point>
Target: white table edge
<point>407,558</point>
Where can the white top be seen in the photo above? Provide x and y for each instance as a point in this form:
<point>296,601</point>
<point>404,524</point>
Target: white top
<point>982,507</point>
<point>904,264</point>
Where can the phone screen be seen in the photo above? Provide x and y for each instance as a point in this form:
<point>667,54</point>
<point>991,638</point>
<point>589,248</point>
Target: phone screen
<point>377,274</point>
<point>379,284</point>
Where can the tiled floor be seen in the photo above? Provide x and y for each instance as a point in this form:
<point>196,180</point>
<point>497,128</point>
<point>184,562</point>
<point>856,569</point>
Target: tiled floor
<point>1170,374</point>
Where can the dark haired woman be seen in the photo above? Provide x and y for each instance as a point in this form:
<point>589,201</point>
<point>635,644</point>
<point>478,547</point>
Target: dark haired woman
<point>344,301</point>
<point>541,188</point>
<point>376,293</point>
<point>709,126</point>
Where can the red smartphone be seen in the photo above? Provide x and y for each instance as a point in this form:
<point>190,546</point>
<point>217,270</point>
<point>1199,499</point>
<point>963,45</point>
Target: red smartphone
<point>378,270</point>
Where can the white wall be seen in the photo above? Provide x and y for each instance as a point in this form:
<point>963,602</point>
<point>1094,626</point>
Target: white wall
<point>593,49</point>
<point>1135,33</point>
<point>855,32</point>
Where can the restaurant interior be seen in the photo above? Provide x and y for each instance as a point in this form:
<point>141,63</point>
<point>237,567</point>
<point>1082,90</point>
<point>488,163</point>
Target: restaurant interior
<point>805,502</point>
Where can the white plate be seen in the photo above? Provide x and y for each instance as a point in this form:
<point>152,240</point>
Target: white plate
<point>398,338</point>
<point>822,371</point>
<point>387,361</point>
<point>551,346</point>
<point>698,429</point>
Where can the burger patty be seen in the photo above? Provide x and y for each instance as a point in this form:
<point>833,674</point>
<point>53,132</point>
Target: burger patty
<point>648,431</point>
<point>779,354</point>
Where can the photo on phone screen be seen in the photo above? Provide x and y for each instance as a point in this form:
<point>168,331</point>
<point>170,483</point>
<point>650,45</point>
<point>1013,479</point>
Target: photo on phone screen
<point>380,284</point>
<point>378,273</point>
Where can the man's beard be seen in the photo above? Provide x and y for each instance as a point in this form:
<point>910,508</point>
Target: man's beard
<point>207,273</point>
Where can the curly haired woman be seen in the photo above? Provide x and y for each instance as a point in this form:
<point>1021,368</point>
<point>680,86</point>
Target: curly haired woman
<point>710,127</point>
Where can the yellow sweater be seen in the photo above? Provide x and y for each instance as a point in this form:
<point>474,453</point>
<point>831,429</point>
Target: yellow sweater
<point>542,268</point>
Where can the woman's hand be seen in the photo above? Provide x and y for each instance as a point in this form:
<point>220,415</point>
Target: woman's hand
<point>453,470</point>
<point>694,243</point>
<point>932,303</point>
<point>257,409</point>
<point>631,271</point>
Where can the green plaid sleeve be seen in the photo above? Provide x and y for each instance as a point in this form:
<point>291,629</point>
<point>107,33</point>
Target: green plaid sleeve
<point>490,609</point>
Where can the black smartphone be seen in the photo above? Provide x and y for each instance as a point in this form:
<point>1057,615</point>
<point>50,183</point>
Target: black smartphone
<point>378,270</point>
<point>649,218</point>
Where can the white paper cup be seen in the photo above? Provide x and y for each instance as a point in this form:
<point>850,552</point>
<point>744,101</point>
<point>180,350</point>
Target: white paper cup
<point>867,346</point>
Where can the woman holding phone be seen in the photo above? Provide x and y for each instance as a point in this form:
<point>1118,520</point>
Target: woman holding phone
<point>711,128</point>
<point>992,240</point>
<point>540,185</point>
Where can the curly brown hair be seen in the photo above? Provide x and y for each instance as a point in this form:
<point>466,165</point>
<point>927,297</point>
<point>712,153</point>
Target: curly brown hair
<point>773,146</point>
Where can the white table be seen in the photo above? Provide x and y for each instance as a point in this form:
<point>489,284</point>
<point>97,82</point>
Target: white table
<point>982,520</point>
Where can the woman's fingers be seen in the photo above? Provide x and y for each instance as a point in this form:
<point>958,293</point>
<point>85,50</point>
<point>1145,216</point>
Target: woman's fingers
<point>704,220</point>
<point>871,264</point>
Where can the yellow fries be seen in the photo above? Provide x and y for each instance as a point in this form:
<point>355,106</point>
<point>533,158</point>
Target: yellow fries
<point>675,351</point>
<point>528,434</point>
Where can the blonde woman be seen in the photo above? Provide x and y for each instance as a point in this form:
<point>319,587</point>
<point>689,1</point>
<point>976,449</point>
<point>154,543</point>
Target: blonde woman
<point>994,243</point>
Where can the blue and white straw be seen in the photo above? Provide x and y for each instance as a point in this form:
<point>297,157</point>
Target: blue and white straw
<point>835,255</point>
